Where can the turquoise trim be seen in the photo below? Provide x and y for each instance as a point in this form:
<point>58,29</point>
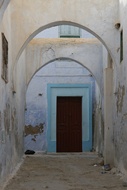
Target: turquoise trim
<point>82,90</point>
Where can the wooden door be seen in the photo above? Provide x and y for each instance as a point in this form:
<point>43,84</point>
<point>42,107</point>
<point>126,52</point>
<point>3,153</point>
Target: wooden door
<point>69,124</point>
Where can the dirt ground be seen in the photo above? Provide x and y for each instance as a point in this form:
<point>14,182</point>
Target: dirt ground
<point>64,172</point>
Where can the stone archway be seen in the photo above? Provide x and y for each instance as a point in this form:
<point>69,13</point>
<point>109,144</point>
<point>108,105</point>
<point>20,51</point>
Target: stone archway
<point>3,6</point>
<point>108,38</point>
<point>89,19</point>
<point>41,52</point>
<point>47,51</point>
<point>86,52</point>
<point>79,87</point>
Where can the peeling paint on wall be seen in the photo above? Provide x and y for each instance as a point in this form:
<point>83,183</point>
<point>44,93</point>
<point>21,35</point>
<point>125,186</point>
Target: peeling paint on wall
<point>0,122</point>
<point>50,53</point>
<point>30,130</point>
<point>1,3</point>
<point>124,119</point>
<point>7,118</point>
<point>0,169</point>
<point>120,98</point>
<point>13,118</point>
<point>98,130</point>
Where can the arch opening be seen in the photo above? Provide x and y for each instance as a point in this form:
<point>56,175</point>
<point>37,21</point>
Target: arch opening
<point>60,74</point>
<point>100,109</point>
<point>64,59</point>
<point>58,23</point>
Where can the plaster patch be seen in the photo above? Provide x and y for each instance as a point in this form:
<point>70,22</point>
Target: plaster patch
<point>50,53</point>
<point>124,119</point>
<point>7,118</point>
<point>124,116</point>
<point>1,3</point>
<point>0,169</point>
<point>125,160</point>
<point>0,122</point>
<point>33,139</point>
<point>30,130</point>
<point>120,97</point>
<point>13,118</point>
<point>18,142</point>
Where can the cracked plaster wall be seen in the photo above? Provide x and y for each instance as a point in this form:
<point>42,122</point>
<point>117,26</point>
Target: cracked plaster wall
<point>12,123</point>
<point>120,97</point>
<point>119,110</point>
<point>57,72</point>
<point>11,108</point>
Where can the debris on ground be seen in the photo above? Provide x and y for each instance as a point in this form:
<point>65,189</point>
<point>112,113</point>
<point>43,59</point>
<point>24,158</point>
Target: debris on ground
<point>106,167</point>
<point>29,152</point>
<point>103,172</point>
<point>124,184</point>
<point>99,163</point>
<point>114,171</point>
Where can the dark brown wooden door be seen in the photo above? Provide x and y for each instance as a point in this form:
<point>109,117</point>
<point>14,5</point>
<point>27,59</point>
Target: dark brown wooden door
<point>69,124</point>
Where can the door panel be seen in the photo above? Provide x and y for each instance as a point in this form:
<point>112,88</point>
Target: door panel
<point>69,124</point>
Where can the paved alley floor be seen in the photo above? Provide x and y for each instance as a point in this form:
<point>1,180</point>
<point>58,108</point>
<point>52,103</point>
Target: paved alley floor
<point>63,172</point>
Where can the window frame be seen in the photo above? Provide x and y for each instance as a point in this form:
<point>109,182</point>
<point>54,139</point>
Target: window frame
<point>69,35</point>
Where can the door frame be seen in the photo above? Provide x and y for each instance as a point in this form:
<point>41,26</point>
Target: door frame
<point>81,90</point>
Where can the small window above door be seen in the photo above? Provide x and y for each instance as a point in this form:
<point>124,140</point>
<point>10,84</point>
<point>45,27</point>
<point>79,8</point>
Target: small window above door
<point>67,31</point>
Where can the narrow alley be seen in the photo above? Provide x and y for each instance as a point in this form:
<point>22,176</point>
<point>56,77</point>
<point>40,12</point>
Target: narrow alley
<point>64,172</point>
<point>63,90</point>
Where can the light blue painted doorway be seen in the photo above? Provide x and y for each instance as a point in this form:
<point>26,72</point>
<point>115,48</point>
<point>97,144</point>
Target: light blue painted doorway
<point>73,90</point>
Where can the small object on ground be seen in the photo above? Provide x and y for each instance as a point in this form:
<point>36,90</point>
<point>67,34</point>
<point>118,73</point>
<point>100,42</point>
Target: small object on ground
<point>92,150</point>
<point>114,171</point>
<point>29,152</point>
<point>101,163</point>
<point>124,184</point>
<point>95,165</point>
<point>46,187</point>
<point>107,167</point>
<point>103,172</point>
<point>100,155</point>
